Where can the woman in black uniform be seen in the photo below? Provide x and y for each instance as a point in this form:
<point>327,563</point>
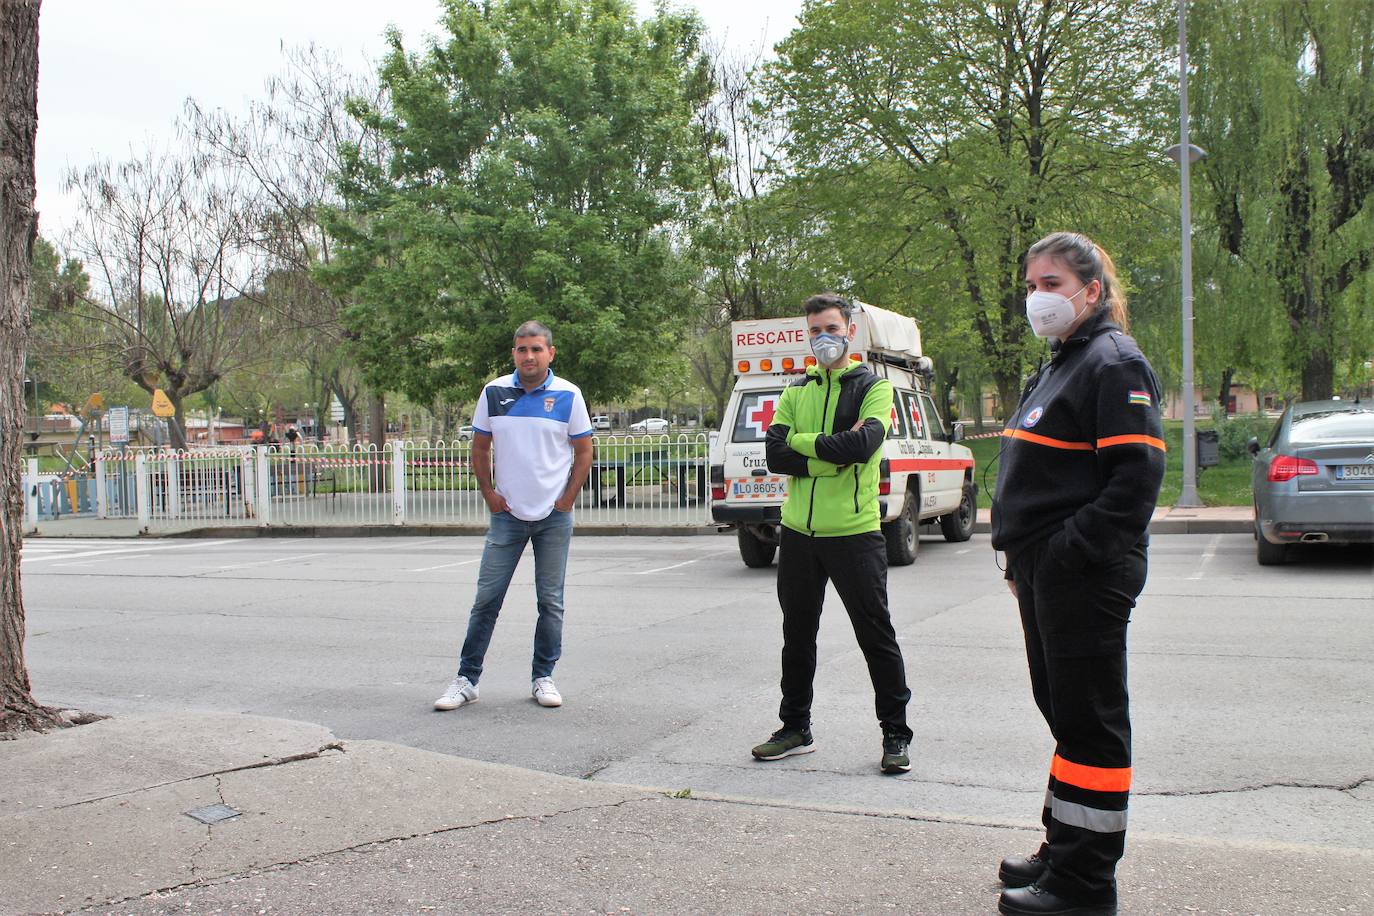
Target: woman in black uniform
<point>1081,464</point>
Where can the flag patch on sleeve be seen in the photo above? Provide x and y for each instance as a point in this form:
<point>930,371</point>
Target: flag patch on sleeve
<point>1139,397</point>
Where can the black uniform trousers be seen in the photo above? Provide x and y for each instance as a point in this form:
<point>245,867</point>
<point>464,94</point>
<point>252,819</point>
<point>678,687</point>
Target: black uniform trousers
<point>1075,627</point>
<point>857,564</point>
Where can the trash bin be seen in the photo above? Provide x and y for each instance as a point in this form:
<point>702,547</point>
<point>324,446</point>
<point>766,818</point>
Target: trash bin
<point>1207,452</point>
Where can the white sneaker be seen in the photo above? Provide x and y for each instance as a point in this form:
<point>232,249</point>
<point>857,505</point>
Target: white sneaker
<point>545,693</point>
<point>459,693</point>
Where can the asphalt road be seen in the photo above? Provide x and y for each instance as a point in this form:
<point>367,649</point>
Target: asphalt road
<point>1251,686</point>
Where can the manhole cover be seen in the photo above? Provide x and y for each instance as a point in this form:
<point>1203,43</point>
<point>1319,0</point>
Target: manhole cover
<point>213,814</point>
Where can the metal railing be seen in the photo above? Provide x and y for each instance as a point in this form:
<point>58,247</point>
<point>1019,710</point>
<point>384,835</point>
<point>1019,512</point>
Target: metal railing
<point>635,481</point>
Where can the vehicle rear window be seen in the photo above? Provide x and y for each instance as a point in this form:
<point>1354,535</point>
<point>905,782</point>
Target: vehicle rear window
<point>1333,427</point>
<point>756,409</point>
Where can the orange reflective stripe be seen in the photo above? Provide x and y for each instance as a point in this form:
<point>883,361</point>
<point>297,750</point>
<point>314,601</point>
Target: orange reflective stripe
<point>1132,440</point>
<point>1098,779</point>
<point>1046,440</point>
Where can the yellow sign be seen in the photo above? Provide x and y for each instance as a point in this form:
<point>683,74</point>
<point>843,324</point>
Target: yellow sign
<point>94,406</point>
<point>162,405</point>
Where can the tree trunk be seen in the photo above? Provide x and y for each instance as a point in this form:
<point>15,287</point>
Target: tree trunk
<point>376,436</point>
<point>1224,392</point>
<point>1318,375</point>
<point>18,228</point>
<point>176,423</point>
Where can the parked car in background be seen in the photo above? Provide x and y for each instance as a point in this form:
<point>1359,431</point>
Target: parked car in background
<point>650,425</point>
<point>1314,480</point>
<point>601,423</point>
<point>464,434</point>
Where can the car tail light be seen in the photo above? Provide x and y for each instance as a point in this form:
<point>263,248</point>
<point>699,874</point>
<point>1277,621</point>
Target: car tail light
<point>884,478</point>
<point>718,482</point>
<point>1286,467</point>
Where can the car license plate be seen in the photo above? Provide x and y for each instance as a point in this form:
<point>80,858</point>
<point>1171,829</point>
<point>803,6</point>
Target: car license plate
<point>758,488</point>
<point>1355,472</point>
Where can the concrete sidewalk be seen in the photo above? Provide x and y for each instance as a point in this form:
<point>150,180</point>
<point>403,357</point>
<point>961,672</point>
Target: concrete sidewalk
<point>1167,520</point>
<point>94,818</point>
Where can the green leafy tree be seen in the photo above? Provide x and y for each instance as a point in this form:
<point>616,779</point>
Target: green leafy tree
<point>540,161</point>
<point>950,135</point>
<point>1283,97</point>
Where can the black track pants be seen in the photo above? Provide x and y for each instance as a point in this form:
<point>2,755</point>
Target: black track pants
<point>857,564</point>
<point>1075,626</point>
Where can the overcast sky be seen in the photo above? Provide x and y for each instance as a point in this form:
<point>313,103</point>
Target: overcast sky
<point>114,74</point>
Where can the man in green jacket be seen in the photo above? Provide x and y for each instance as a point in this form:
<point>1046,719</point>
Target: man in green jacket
<point>827,436</point>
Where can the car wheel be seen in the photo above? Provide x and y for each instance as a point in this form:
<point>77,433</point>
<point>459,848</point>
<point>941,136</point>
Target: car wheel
<point>755,553</point>
<point>1269,554</point>
<point>957,526</point>
<point>903,537</point>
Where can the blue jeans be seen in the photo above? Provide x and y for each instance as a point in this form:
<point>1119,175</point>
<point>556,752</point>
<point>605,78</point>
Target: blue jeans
<point>506,539</point>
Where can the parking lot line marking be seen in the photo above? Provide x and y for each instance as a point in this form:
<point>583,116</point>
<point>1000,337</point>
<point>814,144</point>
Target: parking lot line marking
<point>1207,556</point>
<point>304,556</point>
<point>100,552</point>
<point>446,565</point>
<point>645,572</point>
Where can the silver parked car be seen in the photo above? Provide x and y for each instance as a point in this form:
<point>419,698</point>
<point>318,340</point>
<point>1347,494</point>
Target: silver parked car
<point>1314,481</point>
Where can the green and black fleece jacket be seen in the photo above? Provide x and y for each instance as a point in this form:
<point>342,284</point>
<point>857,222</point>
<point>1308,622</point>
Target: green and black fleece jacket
<point>833,465</point>
<point>1082,457</point>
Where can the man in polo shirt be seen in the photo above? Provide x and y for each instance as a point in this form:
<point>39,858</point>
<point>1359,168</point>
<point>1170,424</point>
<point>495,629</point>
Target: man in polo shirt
<point>542,435</point>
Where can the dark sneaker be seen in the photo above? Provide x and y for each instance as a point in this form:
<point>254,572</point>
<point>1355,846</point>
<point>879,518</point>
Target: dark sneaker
<point>895,759</point>
<point>784,743</point>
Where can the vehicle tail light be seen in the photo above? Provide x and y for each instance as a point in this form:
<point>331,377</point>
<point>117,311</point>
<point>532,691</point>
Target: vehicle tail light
<point>884,478</point>
<point>718,482</point>
<point>1286,467</point>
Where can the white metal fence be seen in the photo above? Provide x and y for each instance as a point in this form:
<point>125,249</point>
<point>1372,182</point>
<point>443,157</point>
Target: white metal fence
<point>634,481</point>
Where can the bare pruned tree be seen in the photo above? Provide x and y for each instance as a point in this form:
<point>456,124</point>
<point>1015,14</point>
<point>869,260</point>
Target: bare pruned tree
<point>288,152</point>
<point>163,237</point>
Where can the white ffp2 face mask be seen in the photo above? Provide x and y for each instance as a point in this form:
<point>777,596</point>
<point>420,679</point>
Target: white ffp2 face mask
<point>1051,314</point>
<point>828,348</point>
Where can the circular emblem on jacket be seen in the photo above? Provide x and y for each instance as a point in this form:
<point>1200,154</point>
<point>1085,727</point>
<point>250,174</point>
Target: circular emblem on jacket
<point>1033,417</point>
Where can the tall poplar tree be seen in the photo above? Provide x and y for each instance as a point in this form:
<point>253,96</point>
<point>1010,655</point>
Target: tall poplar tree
<point>1283,96</point>
<point>18,230</point>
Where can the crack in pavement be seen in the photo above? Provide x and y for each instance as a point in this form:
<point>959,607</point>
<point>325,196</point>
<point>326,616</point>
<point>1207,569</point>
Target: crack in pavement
<point>1347,789</point>
<point>274,762</point>
<point>314,857</point>
<point>209,829</point>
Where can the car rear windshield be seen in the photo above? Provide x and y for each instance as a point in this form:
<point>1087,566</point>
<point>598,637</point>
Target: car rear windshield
<point>1342,426</point>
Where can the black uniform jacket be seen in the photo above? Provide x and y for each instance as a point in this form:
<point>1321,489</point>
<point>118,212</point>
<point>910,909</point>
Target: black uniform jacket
<point>1083,455</point>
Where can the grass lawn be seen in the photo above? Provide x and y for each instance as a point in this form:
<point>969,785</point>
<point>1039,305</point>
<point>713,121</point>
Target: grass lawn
<point>1228,484</point>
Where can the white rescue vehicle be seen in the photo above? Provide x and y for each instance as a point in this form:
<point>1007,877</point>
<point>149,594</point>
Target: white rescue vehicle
<point>926,477</point>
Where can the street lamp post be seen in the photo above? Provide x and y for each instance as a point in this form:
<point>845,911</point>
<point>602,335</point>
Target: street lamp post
<point>1185,154</point>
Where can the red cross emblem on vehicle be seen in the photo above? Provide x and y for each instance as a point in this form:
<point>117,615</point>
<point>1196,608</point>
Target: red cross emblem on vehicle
<point>761,417</point>
<point>915,411</point>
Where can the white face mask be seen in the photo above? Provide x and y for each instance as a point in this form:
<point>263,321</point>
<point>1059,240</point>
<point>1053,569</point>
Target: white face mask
<point>1050,314</point>
<point>828,348</point>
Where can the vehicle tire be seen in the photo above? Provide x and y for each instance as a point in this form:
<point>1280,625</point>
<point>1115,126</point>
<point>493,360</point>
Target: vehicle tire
<point>957,526</point>
<point>1269,554</point>
<point>755,553</point>
<point>903,537</point>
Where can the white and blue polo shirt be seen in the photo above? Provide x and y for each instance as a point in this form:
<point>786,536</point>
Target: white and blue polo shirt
<point>532,433</point>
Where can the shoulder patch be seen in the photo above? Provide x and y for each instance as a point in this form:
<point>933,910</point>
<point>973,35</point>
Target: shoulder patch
<point>1140,398</point>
